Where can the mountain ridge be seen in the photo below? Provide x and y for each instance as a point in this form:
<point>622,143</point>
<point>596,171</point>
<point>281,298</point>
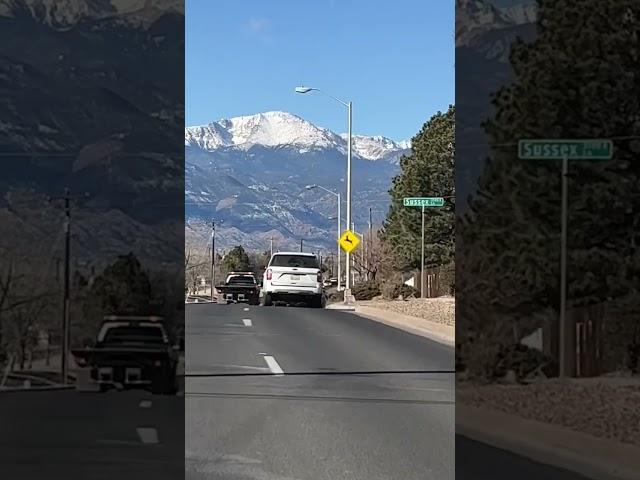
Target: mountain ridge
<point>278,128</point>
<point>251,175</point>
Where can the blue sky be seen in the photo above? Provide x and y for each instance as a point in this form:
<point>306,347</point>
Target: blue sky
<point>393,59</point>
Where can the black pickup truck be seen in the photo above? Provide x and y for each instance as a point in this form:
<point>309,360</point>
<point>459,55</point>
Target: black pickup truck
<point>129,352</point>
<point>240,287</point>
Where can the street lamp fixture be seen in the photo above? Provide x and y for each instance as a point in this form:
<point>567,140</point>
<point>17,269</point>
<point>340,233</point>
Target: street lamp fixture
<point>304,89</point>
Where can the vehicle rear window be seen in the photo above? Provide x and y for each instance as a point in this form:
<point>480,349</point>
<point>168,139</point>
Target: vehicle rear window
<point>133,335</point>
<point>241,279</point>
<point>297,261</point>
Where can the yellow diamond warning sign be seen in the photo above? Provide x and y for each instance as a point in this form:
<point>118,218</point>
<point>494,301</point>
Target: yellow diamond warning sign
<point>349,241</point>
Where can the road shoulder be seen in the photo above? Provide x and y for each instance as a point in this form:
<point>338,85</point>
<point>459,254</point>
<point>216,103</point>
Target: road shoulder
<point>440,333</point>
<point>561,447</point>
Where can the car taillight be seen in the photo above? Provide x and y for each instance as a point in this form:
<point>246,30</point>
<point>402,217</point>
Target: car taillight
<point>80,361</point>
<point>269,274</point>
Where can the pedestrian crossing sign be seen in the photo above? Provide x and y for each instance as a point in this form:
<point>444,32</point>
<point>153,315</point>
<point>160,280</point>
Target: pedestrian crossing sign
<point>349,241</point>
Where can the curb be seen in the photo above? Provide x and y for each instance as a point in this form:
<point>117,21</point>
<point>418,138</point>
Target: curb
<point>37,389</point>
<point>592,457</point>
<point>340,307</point>
<point>378,315</point>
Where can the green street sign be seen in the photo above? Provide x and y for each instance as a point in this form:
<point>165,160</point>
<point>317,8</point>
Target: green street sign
<point>424,202</point>
<point>589,149</point>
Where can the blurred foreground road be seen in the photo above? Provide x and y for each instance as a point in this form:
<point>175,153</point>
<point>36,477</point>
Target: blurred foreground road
<point>315,420</point>
<point>68,435</point>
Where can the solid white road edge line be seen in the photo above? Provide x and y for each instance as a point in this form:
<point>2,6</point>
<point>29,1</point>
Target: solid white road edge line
<point>247,322</point>
<point>273,365</point>
<point>147,435</point>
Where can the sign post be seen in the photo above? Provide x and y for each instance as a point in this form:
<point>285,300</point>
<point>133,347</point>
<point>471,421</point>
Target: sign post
<point>422,258</point>
<point>565,150</point>
<point>423,202</point>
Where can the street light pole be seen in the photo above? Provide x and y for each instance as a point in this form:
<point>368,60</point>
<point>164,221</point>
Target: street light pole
<point>339,254</point>
<point>349,105</point>
<point>347,292</point>
<point>213,256</point>
<point>339,198</point>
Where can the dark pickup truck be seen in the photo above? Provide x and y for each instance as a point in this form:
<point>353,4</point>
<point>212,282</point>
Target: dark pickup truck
<point>129,352</point>
<point>240,287</point>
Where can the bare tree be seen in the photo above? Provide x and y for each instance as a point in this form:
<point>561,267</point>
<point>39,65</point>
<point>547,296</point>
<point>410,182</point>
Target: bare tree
<point>22,303</point>
<point>374,261</point>
<point>196,267</point>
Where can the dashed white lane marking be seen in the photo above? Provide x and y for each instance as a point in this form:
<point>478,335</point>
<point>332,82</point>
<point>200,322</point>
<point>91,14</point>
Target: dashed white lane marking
<point>147,434</point>
<point>246,309</point>
<point>273,365</point>
<point>145,404</point>
<point>247,322</point>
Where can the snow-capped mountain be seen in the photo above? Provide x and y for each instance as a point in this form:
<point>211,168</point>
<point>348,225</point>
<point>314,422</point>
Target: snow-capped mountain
<point>251,174</point>
<point>476,18</point>
<point>64,14</point>
<point>66,96</point>
<point>521,13</point>
<point>484,35</point>
<point>275,129</point>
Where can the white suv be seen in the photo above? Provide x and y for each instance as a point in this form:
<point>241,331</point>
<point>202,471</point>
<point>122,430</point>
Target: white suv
<point>295,277</point>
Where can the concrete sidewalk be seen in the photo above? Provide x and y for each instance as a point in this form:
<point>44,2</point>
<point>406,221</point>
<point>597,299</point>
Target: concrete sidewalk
<point>592,457</point>
<point>440,333</point>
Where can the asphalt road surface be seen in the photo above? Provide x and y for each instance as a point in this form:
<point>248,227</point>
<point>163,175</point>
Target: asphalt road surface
<point>293,410</point>
<point>477,461</point>
<point>68,435</point>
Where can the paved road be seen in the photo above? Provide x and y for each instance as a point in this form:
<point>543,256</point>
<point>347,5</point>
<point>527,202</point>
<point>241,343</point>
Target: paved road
<point>326,426</point>
<point>477,461</point>
<point>68,435</point>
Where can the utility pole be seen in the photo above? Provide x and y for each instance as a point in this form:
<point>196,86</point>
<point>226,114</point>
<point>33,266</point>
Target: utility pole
<point>300,244</point>
<point>271,245</point>
<point>66,295</point>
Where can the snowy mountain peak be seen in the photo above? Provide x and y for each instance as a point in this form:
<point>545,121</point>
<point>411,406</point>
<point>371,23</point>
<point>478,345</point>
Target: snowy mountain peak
<point>522,13</point>
<point>269,129</point>
<point>475,17</point>
<point>64,14</point>
<point>276,128</point>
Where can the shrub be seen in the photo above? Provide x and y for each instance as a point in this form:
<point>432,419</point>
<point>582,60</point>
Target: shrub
<point>366,290</point>
<point>448,279</point>
<point>488,361</point>
<point>393,288</point>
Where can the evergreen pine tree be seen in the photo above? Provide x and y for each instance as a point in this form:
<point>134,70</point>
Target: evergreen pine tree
<point>579,79</point>
<point>428,171</point>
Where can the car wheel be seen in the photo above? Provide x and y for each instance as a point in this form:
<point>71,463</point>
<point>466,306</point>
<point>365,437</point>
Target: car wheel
<point>316,302</point>
<point>266,300</point>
